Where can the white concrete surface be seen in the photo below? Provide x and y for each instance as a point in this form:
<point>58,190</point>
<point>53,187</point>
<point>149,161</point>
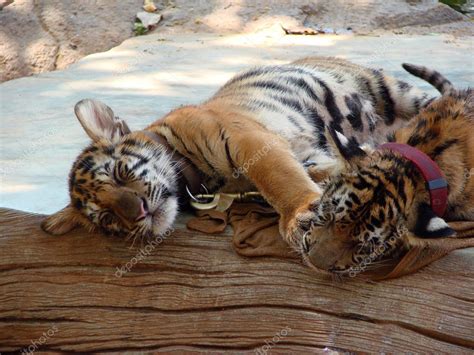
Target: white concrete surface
<point>147,76</point>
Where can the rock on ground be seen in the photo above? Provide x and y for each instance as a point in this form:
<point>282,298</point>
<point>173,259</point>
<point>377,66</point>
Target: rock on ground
<point>38,36</point>
<point>362,16</point>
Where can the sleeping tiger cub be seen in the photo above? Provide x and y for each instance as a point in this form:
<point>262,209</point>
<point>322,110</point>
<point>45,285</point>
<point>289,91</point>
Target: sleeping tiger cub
<point>255,132</point>
<point>365,211</point>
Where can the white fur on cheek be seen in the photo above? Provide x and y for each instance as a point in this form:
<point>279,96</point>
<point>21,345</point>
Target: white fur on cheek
<point>435,224</point>
<point>165,218</point>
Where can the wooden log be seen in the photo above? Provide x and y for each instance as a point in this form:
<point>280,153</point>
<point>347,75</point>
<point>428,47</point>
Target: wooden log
<point>193,292</point>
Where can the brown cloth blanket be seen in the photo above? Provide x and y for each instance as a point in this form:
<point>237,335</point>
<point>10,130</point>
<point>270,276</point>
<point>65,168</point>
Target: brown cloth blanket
<point>256,234</point>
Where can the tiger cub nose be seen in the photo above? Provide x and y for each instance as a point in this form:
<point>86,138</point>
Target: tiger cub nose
<point>143,212</point>
<point>131,207</point>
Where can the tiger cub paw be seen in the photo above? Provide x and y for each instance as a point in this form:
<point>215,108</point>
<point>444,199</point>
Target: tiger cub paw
<point>299,225</point>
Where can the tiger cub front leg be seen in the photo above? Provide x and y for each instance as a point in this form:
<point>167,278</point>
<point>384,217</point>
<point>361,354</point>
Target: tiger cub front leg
<point>280,178</point>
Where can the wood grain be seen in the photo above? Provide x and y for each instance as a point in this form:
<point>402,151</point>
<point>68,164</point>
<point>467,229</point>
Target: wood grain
<point>193,292</point>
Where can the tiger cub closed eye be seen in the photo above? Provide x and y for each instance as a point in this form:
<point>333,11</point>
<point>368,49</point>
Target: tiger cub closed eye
<point>131,184</point>
<point>365,211</point>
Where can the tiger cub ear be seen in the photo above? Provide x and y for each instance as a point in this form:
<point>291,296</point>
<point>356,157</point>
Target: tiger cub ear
<point>429,225</point>
<point>62,221</point>
<point>347,150</point>
<point>99,121</point>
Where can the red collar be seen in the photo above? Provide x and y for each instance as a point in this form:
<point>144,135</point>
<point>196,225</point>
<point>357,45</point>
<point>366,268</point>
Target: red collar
<point>435,181</point>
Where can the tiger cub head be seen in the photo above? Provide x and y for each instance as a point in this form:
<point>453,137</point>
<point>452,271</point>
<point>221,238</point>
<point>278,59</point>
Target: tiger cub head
<point>365,211</point>
<point>124,183</point>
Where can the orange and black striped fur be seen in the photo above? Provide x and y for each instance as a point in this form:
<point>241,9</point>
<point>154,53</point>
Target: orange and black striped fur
<point>257,131</point>
<point>365,212</point>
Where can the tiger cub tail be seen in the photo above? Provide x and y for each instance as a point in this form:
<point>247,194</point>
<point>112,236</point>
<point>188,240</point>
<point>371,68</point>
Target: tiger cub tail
<point>443,85</point>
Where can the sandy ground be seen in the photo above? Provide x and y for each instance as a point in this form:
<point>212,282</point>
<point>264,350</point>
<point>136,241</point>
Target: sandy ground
<point>39,36</point>
<point>147,76</point>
